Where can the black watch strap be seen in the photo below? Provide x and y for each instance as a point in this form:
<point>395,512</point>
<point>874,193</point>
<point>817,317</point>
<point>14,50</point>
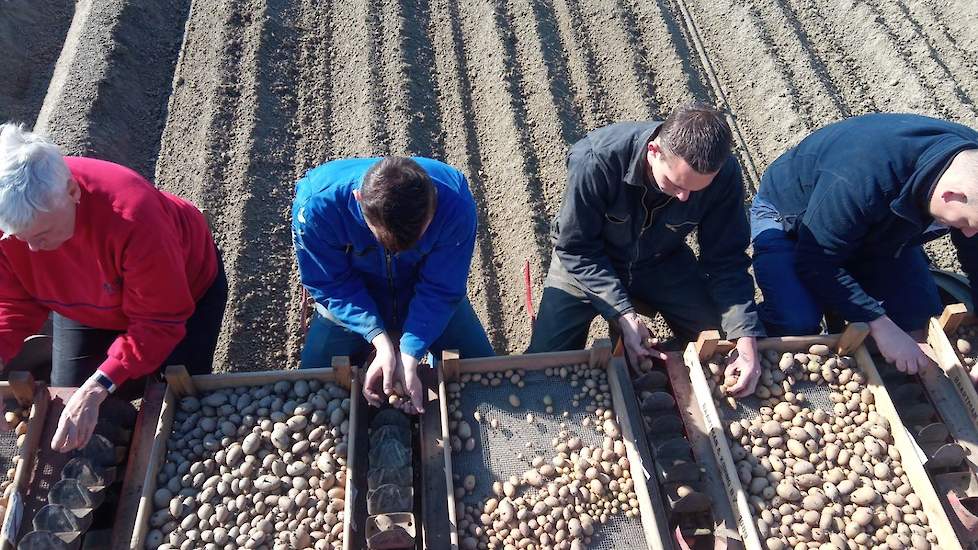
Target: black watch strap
<point>104,381</point>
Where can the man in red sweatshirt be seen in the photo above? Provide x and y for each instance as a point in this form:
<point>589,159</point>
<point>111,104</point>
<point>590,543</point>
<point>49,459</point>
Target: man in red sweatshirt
<point>131,274</point>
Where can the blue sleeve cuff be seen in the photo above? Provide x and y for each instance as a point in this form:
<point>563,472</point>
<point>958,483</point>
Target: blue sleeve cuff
<point>413,345</point>
<point>369,337</point>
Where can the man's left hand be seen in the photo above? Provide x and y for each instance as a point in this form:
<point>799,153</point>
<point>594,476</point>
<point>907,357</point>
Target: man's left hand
<point>412,384</point>
<point>78,419</point>
<point>747,368</point>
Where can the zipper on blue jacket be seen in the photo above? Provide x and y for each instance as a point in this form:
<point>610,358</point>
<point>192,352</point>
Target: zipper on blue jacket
<point>390,281</point>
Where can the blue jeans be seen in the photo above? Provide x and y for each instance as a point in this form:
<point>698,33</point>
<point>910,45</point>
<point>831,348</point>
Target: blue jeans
<point>903,285</point>
<point>327,338</point>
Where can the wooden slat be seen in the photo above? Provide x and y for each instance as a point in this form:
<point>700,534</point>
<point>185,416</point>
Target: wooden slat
<point>161,432</point>
<point>140,454</point>
<point>947,360</point>
<point>528,361</point>
<point>453,541</point>
<point>655,525</point>
<point>735,492</point>
<point>39,400</point>
<point>178,378</point>
<point>437,507</point>
<point>706,344</point>
<point>352,448</point>
<point>211,382</point>
<point>952,317</point>
<point>22,386</point>
<point>696,432</point>
<point>344,371</point>
<point>914,468</point>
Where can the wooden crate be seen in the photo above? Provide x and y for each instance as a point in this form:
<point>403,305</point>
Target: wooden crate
<point>654,525</point>
<point>848,343</point>
<point>179,384</point>
<point>939,335</point>
<point>21,386</point>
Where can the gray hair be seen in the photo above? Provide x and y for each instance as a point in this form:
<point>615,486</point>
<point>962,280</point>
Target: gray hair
<point>33,177</point>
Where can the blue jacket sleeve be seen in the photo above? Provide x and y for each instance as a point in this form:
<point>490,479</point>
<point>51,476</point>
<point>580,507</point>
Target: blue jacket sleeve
<point>831,230</point>
<point>326,272</point>
<point>441,284</point>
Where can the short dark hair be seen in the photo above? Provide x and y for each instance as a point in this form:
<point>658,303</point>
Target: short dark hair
<point>698,134</point>
<point>398,199</point>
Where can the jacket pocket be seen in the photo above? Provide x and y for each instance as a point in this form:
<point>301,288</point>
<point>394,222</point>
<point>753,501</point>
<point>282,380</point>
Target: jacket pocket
<point>618,229</point>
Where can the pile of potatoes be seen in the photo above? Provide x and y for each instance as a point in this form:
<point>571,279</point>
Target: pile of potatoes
<point>566,492</point>
<point>822,479</point>
<point>260,467</point>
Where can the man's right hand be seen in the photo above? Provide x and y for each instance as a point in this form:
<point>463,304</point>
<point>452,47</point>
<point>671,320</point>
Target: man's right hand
<point>381,371</point>
<point>898,347</point>
<point>634,334</point>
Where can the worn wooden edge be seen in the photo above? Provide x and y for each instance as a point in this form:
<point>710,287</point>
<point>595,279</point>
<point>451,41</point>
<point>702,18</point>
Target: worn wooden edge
<point>352,447</point>
<point>38,400</point>
<point>909,458</point>
<point>947,360</point>
<point>735,493</point>
<point>136,466</point>
<point>447,455</point>
<point>696,433</point>
<point>434,505</point>
<point>655,525</point>
<point>164,425</point>
<point>22,386</point>
<point>782,343</point>
<point>953,316</point>
<point>526,361</point>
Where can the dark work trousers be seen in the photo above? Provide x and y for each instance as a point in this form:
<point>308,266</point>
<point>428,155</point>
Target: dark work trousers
<point>902,284</point>
<point>673,287</point>
<point>78,350</point>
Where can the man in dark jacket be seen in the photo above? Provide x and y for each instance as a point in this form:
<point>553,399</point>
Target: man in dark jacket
<point>635,190</point>
<point>384,247</point>
<point>839,221</point>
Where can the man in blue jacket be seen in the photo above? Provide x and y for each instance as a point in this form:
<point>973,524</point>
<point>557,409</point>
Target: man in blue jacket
<point>839,222</point>
<point>384,246</point>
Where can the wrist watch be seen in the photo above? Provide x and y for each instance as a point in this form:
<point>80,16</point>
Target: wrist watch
<point>104,381</point>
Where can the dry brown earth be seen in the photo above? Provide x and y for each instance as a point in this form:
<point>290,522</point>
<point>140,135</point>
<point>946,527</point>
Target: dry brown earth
<point>263,90</point>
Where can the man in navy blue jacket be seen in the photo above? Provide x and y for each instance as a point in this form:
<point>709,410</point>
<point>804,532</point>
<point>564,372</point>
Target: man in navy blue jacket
<point>839,222</point>
<point>384,247</point>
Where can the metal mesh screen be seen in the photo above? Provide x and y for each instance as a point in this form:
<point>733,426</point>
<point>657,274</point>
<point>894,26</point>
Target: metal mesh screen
<point>496,456</point>
<point>8,441</point>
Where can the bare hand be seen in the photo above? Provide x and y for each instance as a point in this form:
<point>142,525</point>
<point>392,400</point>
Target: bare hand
<point>899,348</point>
<point>380,372</point>
<point>634,334</point>
<point>78,419</point>
<point>746,368</point>
<point>412,384</point>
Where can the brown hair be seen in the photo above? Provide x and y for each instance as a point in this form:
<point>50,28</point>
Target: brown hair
<point>698,134</point>
<point>398,199</point>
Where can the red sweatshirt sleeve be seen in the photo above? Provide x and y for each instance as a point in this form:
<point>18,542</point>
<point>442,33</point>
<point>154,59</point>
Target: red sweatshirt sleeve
<point>156,299</point>
<point>20,315</point>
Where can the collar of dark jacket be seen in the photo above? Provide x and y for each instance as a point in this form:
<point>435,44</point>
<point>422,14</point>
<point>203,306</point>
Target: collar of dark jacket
<point>636,172</point>
<point>913,202</point>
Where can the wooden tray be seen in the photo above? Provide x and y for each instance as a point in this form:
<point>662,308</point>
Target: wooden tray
<point>848,343</point>
<point>148,459</point>
<point>654,525</point>
<point>939,334</point>
<point>21,386</point>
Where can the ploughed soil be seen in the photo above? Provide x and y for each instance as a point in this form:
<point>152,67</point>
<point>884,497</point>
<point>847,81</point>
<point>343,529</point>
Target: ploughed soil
<point>259,91</point>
